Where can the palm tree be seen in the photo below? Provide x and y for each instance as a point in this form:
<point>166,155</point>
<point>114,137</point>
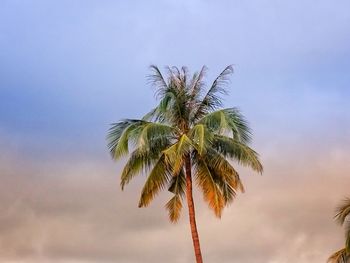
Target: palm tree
<point>342,217</point>
<point>188,136</point>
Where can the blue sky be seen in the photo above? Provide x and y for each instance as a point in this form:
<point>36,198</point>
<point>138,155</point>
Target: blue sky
<point>69,68</point>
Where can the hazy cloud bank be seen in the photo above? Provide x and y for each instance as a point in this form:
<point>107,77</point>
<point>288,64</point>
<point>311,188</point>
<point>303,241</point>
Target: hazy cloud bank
<point>74,211</point>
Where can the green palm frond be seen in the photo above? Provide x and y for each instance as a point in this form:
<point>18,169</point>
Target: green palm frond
<point>238,151</point>
<point>163,112</point>
<point>119,136</point>
<point>201,138</point>
<point>178,183</point>
<point>152,131</point>
<point>173,106</point>
<point>138,132</point>
<point>158,179</point>
<point>142,159</point>
<point>139,160</point>
<point>172,94</point>
<point>174,155</point>
<point>177,187</point>
<point>228,121</point>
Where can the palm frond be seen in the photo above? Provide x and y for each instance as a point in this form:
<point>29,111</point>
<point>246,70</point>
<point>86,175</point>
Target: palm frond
<point>238,151</point>
<point>343,218</point>
<point>339,257</point>
<point>174,155</point>
<point>119,135</point>
<point>224,175</point>
<point>174,78</point>
<point>184,76</point>
<point>178,183</point>
<point>173,96</point>
<point>162,113</point>
<point>227,191</point>
<point>223,169</point>
<point>151,131</point>
<point>157,80</point>
<point>212,100</point>
<point>142,159</point>
<point>211,192</point>
<point>172,108</point>
<point>343,211</point>
<point>201,138</point>
<point>177,187</point>
<point>157,180</point>
<point>228,121</point>
<point>138,161</point>
<point>150,116</point>
<point>174,207</point>
<point>197,83</point>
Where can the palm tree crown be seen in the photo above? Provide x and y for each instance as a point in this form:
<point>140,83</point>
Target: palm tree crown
<point>188,132</point>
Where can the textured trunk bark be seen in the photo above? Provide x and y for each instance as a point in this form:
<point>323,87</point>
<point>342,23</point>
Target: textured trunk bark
<point>191,212</point>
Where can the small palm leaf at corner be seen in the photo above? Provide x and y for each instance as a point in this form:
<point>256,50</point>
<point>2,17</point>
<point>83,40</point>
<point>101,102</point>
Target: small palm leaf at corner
<point>343,211</point>
<point>343,218</point>
<point>339,257</point>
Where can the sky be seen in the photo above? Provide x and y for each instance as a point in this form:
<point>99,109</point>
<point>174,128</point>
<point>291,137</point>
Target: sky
<point>70,68</point>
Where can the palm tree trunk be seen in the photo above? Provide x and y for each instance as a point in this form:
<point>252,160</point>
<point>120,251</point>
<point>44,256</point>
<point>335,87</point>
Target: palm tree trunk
<point>191,212</point>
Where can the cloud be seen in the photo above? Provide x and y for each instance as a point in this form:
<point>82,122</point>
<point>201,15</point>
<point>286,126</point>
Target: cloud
<point>72,210</point>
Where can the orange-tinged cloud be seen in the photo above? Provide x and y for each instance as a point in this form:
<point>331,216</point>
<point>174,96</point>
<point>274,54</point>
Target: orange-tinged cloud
<point>73,210</point>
